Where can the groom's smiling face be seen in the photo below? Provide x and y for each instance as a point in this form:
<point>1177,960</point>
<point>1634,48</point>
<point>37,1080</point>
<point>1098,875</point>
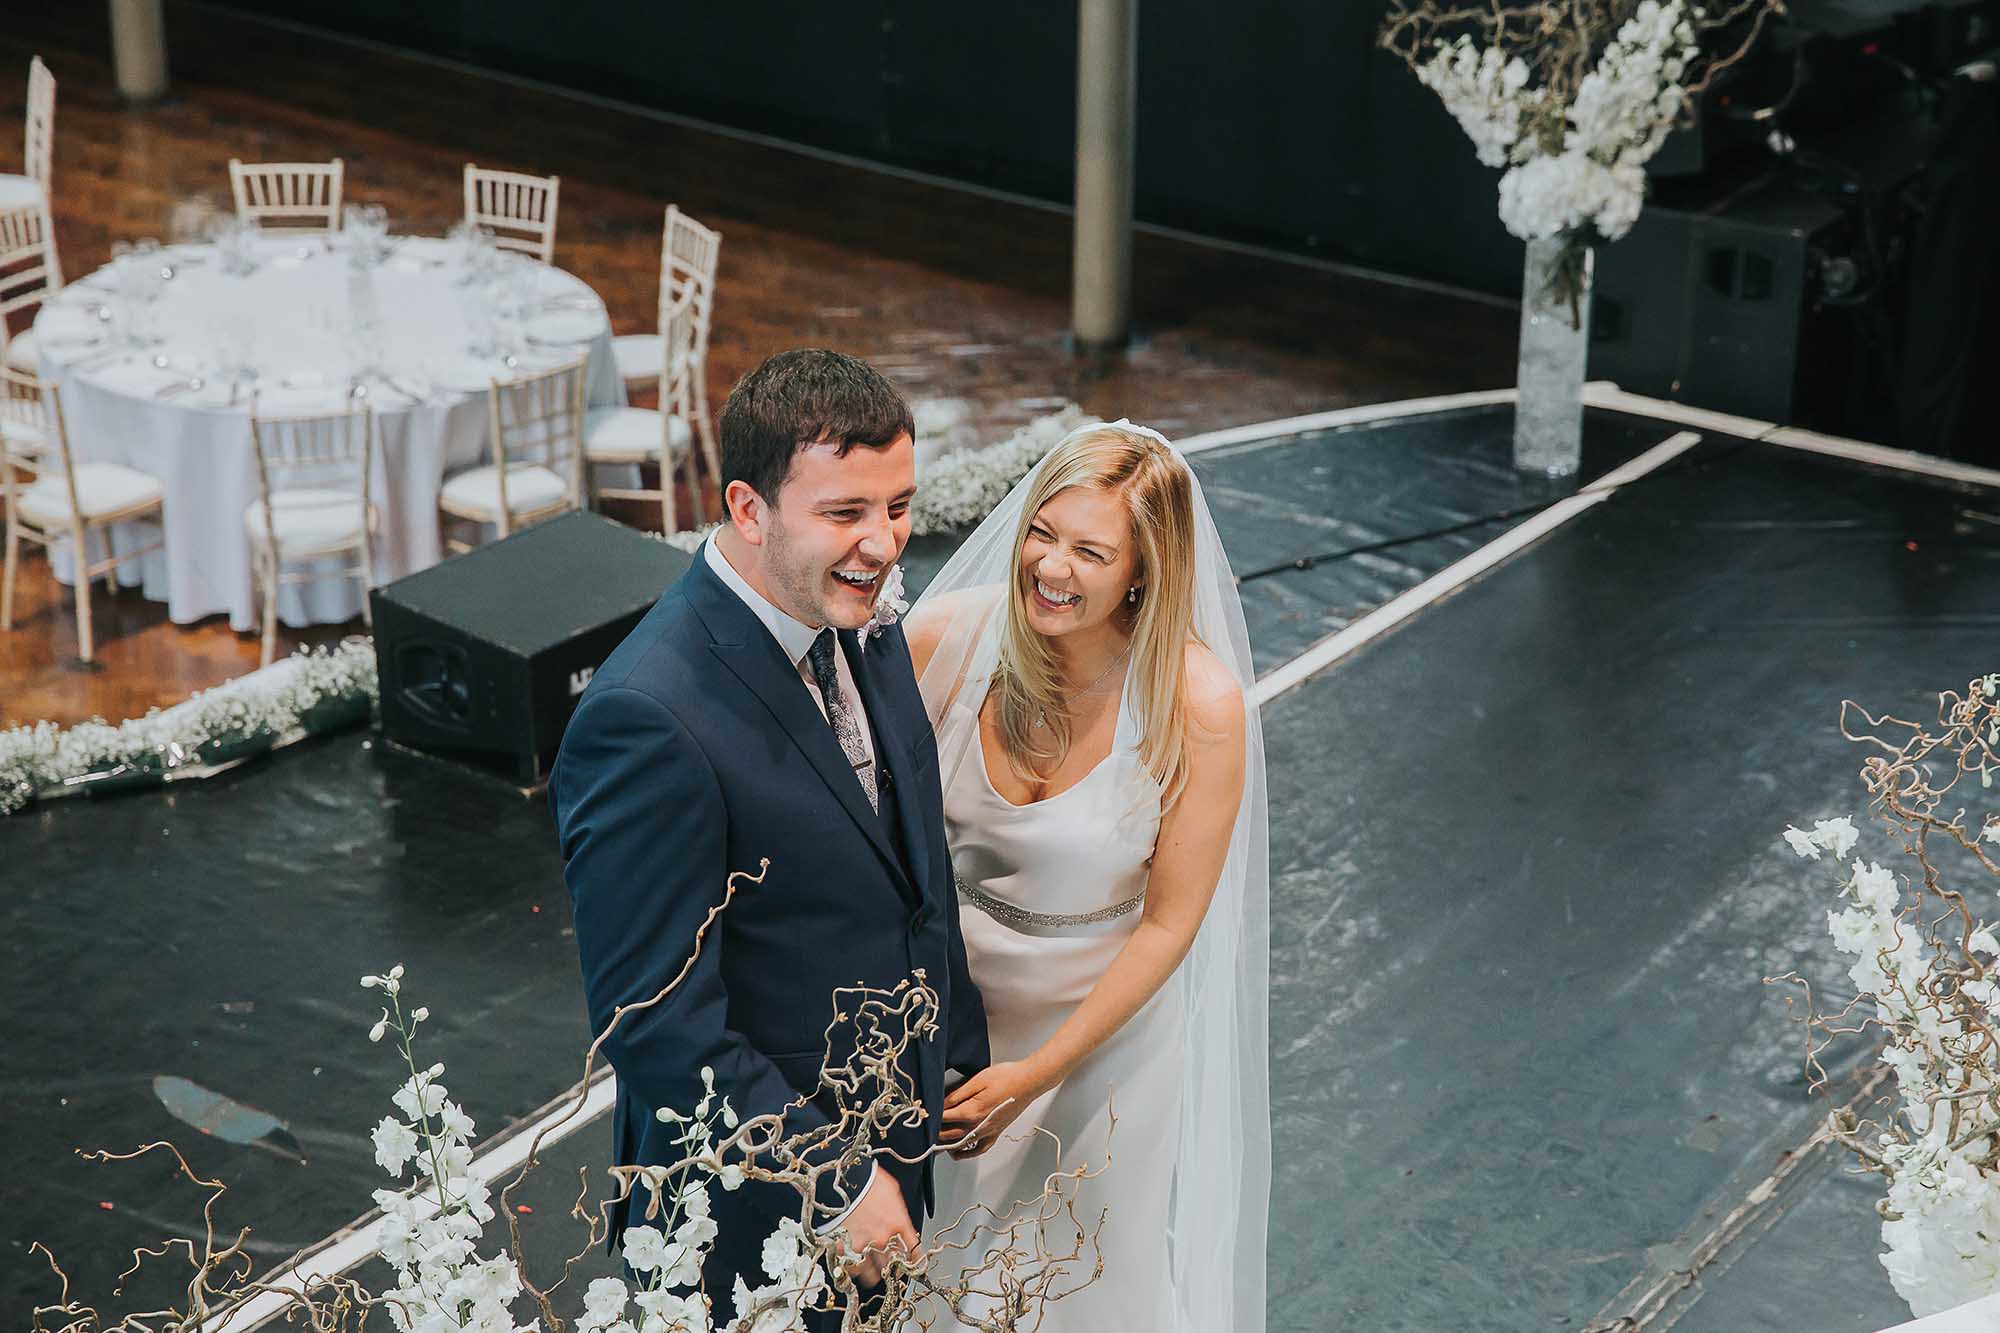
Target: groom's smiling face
<point>839,525</point>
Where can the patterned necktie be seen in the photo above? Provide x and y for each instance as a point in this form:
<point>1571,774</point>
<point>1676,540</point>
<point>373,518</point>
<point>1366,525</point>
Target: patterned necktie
<point>846,726</point>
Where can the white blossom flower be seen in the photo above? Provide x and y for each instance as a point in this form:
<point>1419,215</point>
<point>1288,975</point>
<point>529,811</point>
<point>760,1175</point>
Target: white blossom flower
<point>1836,835</point>
<point>696,1232</point>
<point>693,1199</point>
<point>456,1125</point>
<point>1547,197</point>
<point>671,1312</point>
<point>730,1177</point>
<point>1853,930</point>
<point>645,1248</point>
<point>782,1247</point>
<point>604,1302</point>
<point>1802,842</point>
<point>396,1241</point>
<point>1874,887</point>
<point>681,1264</point>
<point>452,1160</point>
<point>395,1144</point>
<point>422,1096</point>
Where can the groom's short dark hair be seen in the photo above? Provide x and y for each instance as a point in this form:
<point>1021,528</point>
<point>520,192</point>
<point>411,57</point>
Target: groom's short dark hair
<point>804,397</point>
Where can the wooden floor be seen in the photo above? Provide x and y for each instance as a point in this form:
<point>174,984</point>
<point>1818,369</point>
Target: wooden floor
<point>956,296</point>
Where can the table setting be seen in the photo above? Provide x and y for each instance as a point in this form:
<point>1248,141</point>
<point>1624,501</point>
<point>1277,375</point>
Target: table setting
<point>161,354</point>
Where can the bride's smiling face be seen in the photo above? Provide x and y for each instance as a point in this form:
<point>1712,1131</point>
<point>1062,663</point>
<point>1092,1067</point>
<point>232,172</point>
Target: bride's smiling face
<point>1077,561</point>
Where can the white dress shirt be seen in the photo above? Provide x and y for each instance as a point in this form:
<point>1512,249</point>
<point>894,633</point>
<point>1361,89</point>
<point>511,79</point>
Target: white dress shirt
<point>795,640</point>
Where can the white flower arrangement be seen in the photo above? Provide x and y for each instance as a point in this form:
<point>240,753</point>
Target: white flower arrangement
<point>310,691</point>
<point>1572,97</point>
<point>1574,146</point>
<point>430,1230</point>
<point>1926,971</point>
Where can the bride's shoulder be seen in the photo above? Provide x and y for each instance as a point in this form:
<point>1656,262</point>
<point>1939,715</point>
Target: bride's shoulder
<point>935,613</point>
<point>1214,699</point>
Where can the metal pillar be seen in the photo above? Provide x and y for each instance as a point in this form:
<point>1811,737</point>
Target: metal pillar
<point>1106,79</point>
<point>139,49</point>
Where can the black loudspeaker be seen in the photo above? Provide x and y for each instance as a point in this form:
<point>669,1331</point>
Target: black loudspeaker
<point>1717,304</point>
<point>481,658</point>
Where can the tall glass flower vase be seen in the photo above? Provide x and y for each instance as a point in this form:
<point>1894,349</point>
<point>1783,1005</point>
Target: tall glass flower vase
<point>1555,336</point>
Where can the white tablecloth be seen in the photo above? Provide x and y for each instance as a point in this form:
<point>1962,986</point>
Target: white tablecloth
<point>295,317</point>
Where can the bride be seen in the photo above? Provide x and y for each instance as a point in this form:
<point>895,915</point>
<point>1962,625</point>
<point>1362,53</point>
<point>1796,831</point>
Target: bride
<point>1085,666</point>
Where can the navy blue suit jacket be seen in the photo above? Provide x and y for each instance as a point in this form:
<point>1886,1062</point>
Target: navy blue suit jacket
<point>695,751</point>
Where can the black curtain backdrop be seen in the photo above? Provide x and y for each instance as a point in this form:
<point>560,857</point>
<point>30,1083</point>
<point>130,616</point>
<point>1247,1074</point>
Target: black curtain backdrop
<point>1269,121</point>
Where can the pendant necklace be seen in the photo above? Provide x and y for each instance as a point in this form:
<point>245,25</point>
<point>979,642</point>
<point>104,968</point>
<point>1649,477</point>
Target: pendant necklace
<point>1042,718</point>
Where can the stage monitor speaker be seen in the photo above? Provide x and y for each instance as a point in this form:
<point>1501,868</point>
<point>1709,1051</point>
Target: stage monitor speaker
<point>482,658</point>
<point>1715,304</point>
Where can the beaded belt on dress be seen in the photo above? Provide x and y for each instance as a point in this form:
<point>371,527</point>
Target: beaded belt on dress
<point>1002,910</point>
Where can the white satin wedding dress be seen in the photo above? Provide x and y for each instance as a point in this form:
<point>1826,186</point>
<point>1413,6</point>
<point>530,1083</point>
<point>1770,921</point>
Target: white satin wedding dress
<point>1048,894</point>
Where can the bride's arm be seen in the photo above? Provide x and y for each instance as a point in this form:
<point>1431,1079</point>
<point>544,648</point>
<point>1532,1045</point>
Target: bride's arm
<point>1187,861</point>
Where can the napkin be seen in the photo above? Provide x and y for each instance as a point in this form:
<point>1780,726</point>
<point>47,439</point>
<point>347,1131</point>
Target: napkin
<point>136,378</point>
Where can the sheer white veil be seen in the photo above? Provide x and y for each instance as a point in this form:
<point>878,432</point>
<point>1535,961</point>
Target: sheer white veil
<point>1222,1174</point>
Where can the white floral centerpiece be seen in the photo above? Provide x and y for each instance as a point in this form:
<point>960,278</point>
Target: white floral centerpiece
<point>1926,973</point>
<point>1572,98</point>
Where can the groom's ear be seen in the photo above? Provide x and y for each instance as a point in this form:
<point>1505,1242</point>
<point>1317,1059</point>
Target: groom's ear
<point>747,511</point>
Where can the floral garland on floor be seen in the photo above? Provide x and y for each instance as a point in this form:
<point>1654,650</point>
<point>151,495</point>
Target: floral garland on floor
<point>314,691</point>
<point>958,490</point>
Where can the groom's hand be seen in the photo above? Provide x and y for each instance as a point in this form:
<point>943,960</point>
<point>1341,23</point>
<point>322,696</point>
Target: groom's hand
<point>879,1224</point>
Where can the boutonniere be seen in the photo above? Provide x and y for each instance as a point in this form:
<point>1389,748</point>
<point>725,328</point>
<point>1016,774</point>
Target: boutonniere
<point>889,605</point>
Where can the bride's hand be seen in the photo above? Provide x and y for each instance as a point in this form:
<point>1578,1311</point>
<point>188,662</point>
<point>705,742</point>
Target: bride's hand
<point>995,1096</point>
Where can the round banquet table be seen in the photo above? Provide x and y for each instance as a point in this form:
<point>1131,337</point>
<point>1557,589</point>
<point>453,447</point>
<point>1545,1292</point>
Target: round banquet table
<point>305,332</point>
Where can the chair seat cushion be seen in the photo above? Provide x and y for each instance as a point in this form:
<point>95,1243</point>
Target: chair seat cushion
<point>23,353</point>
<point>631,434</point>
<point>101,488</point>
<point>21,439</point>
<point>19,191</point>
<point>638,356</point>
<point>475,493</point>
<point>309,521</point>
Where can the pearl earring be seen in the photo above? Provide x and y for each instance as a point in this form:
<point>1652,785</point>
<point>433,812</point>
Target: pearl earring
<point>1132,595</point>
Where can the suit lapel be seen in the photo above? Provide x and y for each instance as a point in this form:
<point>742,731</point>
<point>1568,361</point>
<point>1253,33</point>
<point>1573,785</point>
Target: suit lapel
<point>742,644</point>
<point>892,752</point>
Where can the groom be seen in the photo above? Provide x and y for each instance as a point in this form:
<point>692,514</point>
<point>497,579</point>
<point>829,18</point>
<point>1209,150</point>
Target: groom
<point>743,719</point>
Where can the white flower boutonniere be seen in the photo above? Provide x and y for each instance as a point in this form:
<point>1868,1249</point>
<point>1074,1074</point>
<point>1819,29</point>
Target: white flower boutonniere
<point>889,605</point>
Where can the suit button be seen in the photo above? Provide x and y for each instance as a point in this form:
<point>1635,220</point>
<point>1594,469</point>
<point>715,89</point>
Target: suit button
<point>921,919</point>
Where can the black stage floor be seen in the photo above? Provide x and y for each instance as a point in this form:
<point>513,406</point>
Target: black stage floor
<point>1527,881</point>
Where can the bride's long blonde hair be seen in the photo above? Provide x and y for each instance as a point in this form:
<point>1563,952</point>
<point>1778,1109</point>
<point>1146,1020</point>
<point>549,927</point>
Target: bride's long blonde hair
<point>1153,483</point>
